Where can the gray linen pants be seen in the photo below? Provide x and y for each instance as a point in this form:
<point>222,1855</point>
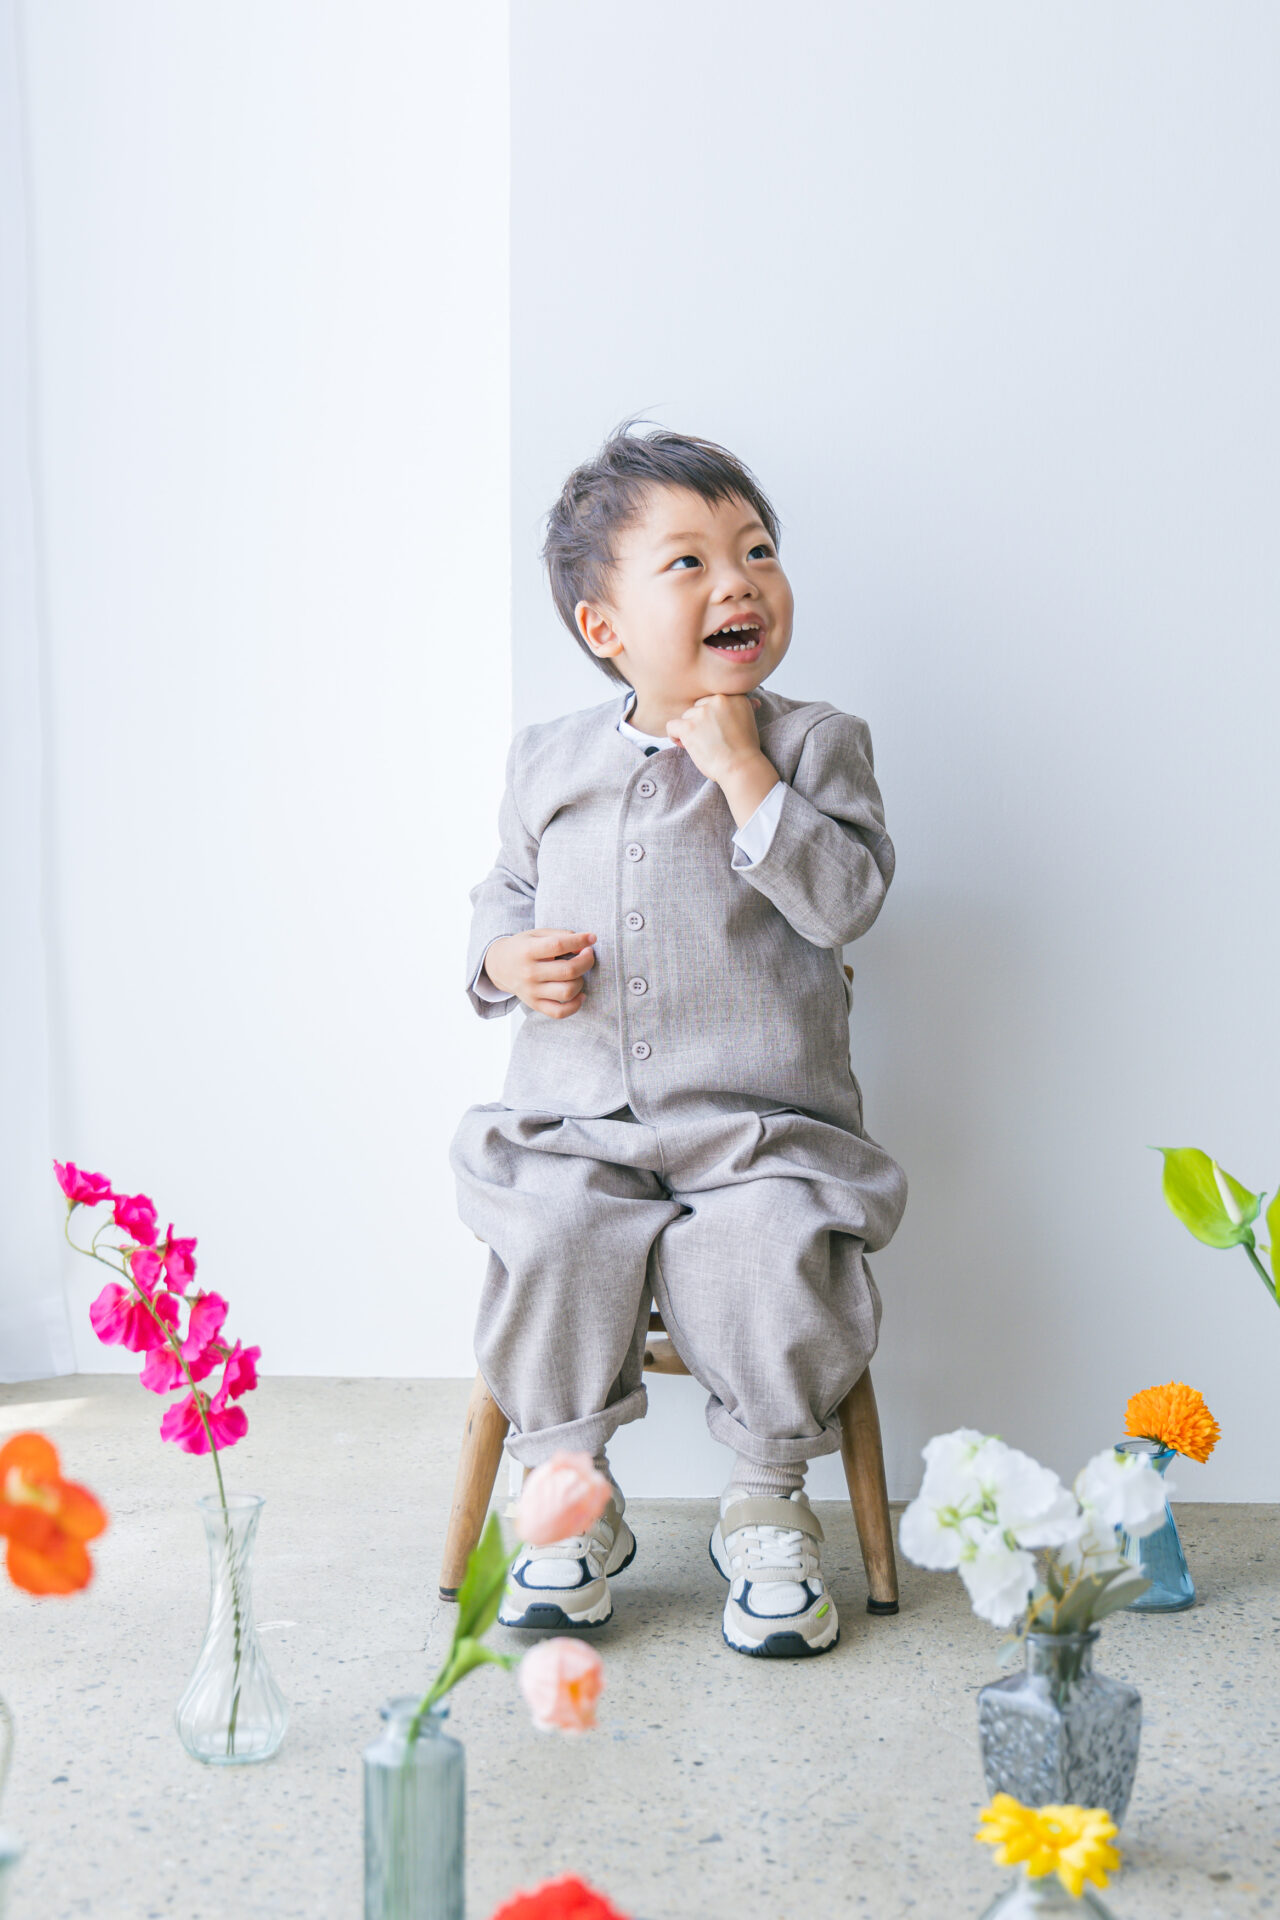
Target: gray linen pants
<point>749,1230</point>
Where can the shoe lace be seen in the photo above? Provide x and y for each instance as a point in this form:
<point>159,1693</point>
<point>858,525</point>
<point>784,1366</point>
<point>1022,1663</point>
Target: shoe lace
<point>765,1546</point>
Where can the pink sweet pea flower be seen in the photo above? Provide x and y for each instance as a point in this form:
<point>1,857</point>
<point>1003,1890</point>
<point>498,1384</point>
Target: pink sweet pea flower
<point>82,1189</point>
<point>562,1497</point>
<point>182,1423</point>
<point>120,1319</point>
<point>163,1370</point>
<point>147,1268</point>
<point>179,1261</point>
<point>199,1349</point>
<point>241,1375</point>
<point>561,1680</point>
<point>137,1215</point>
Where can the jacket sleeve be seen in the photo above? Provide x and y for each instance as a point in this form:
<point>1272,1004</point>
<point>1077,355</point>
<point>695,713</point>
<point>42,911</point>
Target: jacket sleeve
<point>829,864</point>
<point>502,903</point>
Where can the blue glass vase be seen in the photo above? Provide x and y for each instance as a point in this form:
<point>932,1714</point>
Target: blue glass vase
<point>1160,1556</point>
<point>414,1803</point>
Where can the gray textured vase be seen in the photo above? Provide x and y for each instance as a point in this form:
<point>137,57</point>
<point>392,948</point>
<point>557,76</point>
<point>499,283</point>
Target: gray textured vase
<point>1059,1733</point>
<point>414,1802</point>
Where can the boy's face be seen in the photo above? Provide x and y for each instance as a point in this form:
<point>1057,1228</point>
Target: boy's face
<point>686,567</point>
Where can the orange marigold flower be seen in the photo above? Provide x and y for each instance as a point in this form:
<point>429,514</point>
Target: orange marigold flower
<point>1176,1416</point>
<point>45,1518</point>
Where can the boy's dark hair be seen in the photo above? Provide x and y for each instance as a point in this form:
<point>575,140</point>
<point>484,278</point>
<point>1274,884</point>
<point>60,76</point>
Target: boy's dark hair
<point>603,495</point>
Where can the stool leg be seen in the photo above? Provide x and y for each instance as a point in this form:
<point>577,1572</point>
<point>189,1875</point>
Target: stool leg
<point>482,1438</point>
<point>863,1456</point>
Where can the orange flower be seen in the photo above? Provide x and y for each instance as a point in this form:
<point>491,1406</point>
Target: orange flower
<point>46,1519</point>
<point>1176,1416</point>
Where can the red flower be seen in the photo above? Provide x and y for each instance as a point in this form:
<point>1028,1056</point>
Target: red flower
<point>162,1370</point>
<point>45,1518</point>
<point>121,1319</point>
<point>241,1375</point>
<point>137,1215</point>
<point>82,1189</point>
<point>567,1899</point>
<point>182,1423</point>
<point>179,1261</point>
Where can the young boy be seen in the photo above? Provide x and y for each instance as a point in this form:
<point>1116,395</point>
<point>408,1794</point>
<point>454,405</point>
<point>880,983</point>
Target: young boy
<point>679,870</point>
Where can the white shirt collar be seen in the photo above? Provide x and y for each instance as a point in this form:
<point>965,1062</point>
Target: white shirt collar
<point>633,733</point>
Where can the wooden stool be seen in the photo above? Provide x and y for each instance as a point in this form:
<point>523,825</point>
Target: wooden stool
<point>860,1450</point>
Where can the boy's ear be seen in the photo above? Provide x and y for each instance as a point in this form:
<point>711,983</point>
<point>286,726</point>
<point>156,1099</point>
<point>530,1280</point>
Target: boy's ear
<point>595,628</point>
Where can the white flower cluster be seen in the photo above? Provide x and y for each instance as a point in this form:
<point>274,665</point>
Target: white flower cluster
<point>983,1507</point>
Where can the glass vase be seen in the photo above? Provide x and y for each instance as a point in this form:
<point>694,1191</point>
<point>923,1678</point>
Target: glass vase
<point>1045,1894</point>
<point>10,1849</point>
<point>1059,1733</point>
<point>1159,1554</point>
<point>232,1711</point>
<point>414,1802</point>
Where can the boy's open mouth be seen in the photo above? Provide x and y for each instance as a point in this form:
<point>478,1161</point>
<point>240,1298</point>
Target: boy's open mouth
<point>740,638</point>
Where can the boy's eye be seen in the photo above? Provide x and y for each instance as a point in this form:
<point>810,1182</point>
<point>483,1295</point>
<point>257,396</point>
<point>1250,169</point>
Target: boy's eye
<point>762,546</point>
<point>686,556</point>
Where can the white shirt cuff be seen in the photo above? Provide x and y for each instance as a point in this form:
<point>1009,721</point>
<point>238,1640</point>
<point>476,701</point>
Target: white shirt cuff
<point>754,837</point>
<point>483,985</point>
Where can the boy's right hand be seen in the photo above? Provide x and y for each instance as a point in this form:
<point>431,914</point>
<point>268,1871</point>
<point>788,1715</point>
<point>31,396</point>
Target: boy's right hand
<point>543,968</point>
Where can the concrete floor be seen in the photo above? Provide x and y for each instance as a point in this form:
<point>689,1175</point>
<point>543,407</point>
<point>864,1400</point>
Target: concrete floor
<point>713,1787</point>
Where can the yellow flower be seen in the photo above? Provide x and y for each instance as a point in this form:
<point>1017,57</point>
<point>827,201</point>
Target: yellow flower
<point>1176,1416</point>
<point>1069,1841</point>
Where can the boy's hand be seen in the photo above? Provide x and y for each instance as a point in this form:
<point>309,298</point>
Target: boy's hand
<point>543,968</point>
<point>718,732</point>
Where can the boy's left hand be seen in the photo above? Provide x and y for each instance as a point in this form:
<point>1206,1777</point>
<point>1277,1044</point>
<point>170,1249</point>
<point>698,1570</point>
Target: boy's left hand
<point>718,732</point>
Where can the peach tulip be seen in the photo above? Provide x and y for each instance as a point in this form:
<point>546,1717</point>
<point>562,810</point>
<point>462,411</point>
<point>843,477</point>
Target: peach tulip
<point>561,1680</point>
<point>564,1496</point>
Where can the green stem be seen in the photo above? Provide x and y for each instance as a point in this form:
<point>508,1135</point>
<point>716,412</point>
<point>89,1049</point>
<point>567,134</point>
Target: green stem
<point>1267,1281</point>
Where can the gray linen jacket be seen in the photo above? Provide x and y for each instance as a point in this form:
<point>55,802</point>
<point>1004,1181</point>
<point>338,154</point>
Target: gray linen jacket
<point>715,988</point>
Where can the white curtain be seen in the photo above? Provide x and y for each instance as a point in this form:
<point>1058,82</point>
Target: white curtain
<point>35,1337</point>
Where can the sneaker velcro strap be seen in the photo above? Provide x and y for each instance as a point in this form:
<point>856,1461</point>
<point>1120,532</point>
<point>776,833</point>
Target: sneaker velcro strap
<point>763,1510</point>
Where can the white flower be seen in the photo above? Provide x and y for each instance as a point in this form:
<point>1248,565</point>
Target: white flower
<point>936,1537</point>
<point>949,1479</point>
<point>999,1579</point>
<point>1097,1542</point>
<point>1123,1490</point>
<point>1030,1501</point>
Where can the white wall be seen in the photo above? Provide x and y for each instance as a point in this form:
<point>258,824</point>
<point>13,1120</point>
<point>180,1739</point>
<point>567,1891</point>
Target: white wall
<point>986,296</point>
<point>271,387</point>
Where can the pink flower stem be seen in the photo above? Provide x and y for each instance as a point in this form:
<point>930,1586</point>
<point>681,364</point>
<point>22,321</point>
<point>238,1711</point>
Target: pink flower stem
<point>175,1346</point>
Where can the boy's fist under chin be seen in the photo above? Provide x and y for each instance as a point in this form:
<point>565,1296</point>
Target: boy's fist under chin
<point>543,968</point>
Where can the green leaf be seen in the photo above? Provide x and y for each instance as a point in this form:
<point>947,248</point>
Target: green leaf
<point>1122,1590</point>
<point>1273,1228</point>
<point>469,1654</point>
<point>1208,1201</point>
<point>1076,1610</point>
<point>480,1594</point>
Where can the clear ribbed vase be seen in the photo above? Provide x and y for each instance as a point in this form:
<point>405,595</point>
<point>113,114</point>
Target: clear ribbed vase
<point>232,1711</point>
<point>1060,1734</point>
<point>414,1803</point>
<point>1045,1894</point>
<point>1160,1553</point>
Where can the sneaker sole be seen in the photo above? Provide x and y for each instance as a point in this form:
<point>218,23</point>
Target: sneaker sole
<point>541,1614</point>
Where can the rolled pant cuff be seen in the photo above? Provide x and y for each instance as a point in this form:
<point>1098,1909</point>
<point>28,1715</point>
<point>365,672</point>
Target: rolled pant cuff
<point>770,1453</point>
<point>587,1435</point>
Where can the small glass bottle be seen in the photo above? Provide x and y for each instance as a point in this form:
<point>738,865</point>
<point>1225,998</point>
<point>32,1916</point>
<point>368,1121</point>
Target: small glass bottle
<point>1028,1898</point>
<point>414,1807</point>
<point>1160,1554</point>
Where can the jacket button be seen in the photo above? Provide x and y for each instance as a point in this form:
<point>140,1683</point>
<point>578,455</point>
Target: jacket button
<point>634,852</point>
<point>635,921</point>
<point>640,1048</point>
<point>647,787</point>
<point>637,985</point>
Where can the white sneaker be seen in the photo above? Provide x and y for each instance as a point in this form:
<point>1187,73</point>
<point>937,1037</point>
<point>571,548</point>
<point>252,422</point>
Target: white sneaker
<point>767,1549</point>
<point>566,1582</point>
